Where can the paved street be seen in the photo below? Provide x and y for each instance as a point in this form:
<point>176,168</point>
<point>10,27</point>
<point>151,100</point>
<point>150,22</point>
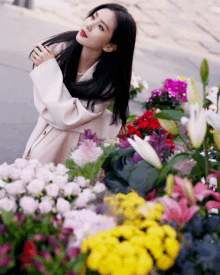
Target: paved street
<point>158,55</point>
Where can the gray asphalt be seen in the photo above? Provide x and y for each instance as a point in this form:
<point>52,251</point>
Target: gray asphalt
<point>18,116</point>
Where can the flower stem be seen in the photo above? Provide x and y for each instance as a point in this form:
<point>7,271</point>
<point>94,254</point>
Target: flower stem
<point>197,160</point>
<point>190,149</point>
<point>205,146</point>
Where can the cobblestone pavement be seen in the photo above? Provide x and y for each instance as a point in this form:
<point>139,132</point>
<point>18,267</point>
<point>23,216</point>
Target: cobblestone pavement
<point>187,25</point>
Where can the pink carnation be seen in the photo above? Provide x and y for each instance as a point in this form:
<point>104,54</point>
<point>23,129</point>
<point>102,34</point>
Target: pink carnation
<point>27,175</point>
<point>8,204</point>
<point>16,187</point>
<point>44,174</point>
<point>86,152</point>
<point>61,181</point>
<point>63,205</point>
<point>61,169</point>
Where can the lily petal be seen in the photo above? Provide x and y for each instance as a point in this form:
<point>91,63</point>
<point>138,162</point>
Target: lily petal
<point>212,204</point>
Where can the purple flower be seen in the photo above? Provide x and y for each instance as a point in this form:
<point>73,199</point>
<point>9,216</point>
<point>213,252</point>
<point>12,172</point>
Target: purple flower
<point>46,255</point>
<point>124,144</point>
<point>88,135</point>
<point>5,261</point>
<point>73,252</point>
<point>40,237</point>
<point>5,248</point>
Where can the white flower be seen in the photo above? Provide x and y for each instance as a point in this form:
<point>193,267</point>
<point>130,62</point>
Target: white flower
<point>99,187</point>
<point>44,174</point>
<point>146,151</point>
<point>2,183</point>
<point>145,84</point>
<point>197,125</point>
<point>46,206</point>
<point>213,182</point>
<point>15,173</point>
<point>52,190</point>
<point>213,108</point>
<point>214,118</point>
<point>184,120</point>
<point>8,204</point>
<point>28,204</point>
<point>35,186</point>
<point>27,175</point>
<point>2,193</point>
<point>16,187</point>
<point>203,180</point>
<point>63,205</point>
<point>4,170</point>
<point>193,96</point>
<point>82,181</point>
<point>212,96</point>
<point>50,166</point>
<point>71,188</point>
<point>89,194</point>
<point>61,181</point>
<point>21,163</point>
<point>61,169</point>
<point>135,84</point>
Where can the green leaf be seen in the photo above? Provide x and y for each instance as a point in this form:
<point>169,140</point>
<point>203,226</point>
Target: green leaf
<point>7,217</point>
<point>110,107</point>
<point>170,165</point>
<point>169,115</point>
<point>130,119</point>
<point>204,72</point>
<point>79,262</point>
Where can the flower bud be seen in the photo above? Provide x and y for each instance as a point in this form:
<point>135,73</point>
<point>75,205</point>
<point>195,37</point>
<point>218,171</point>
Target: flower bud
<point>169,125</point>
<point>170,185</point>
<point>216,136</point>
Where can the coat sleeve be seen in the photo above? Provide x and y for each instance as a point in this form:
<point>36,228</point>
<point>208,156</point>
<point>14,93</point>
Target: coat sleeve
<point>54,102</point>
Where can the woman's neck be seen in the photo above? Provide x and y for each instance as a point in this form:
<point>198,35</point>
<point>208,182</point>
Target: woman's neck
<point>87,59</point>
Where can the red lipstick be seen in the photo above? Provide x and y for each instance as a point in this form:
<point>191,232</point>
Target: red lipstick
<point>82,33</point>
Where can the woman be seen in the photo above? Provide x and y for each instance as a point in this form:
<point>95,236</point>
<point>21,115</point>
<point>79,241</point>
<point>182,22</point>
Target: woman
<point>77,78</point>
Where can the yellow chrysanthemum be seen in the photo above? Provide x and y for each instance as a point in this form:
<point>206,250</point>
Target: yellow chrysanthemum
<point>152,241</point>
<point>109,264</point>
<point>156,230</point>
<point>169,231</point>
<point>130,264</point>
<point>124,249</point>
<point>84,246</point>
<point>148,223</point>
<point>164,262</point>
<point>159,207</point>
<point>93,260</point>
<point>129,214</point>
<point>145,264</point>
<point>172,247</point>
<point>138,240</point>
<point>156,251</point>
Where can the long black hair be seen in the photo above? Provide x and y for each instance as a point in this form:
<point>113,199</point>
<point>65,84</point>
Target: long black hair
<point>113,71</point>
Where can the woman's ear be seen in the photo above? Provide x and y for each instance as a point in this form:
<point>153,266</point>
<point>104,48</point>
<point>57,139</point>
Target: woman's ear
<point>110,48</point>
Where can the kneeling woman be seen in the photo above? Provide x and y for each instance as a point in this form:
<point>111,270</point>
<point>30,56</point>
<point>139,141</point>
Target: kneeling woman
<point>75,80</point>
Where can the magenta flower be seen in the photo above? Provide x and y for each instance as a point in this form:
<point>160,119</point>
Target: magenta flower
<point>178,211</point>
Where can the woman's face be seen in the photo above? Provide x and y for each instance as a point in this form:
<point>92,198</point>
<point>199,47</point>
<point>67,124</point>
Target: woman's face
<point>97,30</point>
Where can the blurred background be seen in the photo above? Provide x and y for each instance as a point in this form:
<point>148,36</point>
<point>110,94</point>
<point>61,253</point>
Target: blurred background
<point>173,38</point>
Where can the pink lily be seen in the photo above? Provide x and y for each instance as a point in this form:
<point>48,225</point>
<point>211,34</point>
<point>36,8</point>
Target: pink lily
<point>212,204</point>
<point>178,211</point>
<point>200,191</point>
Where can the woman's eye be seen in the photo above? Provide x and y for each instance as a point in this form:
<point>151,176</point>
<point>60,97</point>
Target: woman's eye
<point>100,26</point>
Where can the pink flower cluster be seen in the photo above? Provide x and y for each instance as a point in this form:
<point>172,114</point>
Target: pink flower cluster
<point>86,223</point>
<point>176,89</point>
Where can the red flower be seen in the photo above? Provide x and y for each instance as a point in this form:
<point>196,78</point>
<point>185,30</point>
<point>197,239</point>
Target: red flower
<point>172,146</point>
<point>143,124</point>
<point>186,132</point>
<point>30,250</point>
<point>133,131</point>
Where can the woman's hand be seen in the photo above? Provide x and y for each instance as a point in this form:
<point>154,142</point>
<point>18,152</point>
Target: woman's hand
<point>42,55</point>
<point>123,132</point>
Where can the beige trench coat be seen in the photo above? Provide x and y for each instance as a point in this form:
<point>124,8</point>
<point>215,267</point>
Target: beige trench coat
<point>62,118</point>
